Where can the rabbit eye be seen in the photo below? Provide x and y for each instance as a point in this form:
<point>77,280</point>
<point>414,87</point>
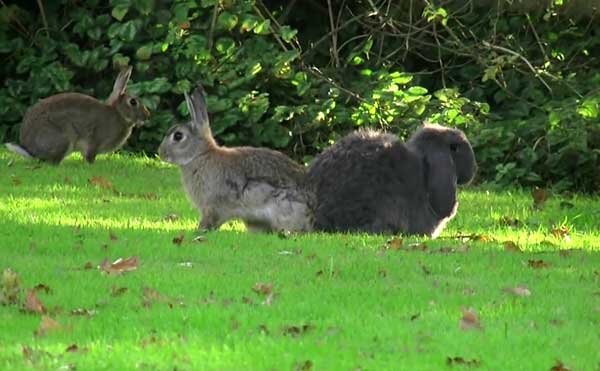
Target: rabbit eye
<point>177,136</point>
<point>453,147</point>
<point>133,102</point>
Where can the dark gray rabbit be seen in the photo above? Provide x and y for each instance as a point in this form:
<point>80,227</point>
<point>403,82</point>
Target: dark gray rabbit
<point>372,182</point>
<point>262,187</point>
<point>58,125</point>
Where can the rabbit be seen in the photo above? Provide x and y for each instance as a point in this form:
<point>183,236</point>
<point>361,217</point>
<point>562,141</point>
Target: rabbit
<point>370,181</point>
<point>55,126</point>
<point>262,187</point>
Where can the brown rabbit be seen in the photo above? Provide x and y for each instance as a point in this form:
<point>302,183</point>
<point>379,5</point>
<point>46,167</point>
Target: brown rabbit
<point>262,187</point>
<point>58,125</point>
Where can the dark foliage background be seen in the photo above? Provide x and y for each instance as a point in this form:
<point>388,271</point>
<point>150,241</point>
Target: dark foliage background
<point>522,78</point>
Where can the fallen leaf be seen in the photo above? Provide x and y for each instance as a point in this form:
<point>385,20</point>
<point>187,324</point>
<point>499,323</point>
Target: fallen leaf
<point>511,246</point>
<point>33,303</point>
<point>47,324</point>
<point>178,239</point>
<point>518,290</point>
<point>88,265</point>
<point>295,331</point>
<point>117,291</point>
<point>151,296</point>
<point>382,273</point>
<point>561,232</point>
<point>394,244</point>
<point>470,320</point>
<point>460,361</point>
<point>199,239</point>
<point>559,366</point>
<point>120,265</point>
<point>537,264</point>
<point>540,196</point>
<point>16,181</point>
<point>112,236</point>
<point>510,222</point>
<point>263,329</point>
<point>10,287</point>
<point>269,299</point>
<point>83,312</point>
<point>101,182</point>
<point>304,366</point>
<point>263,288</point>
<point>72,348</point>
<point>42,287</point>
<point>170,217</point>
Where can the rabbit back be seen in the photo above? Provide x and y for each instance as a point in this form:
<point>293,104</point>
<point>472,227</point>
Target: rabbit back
<point>370,182</point>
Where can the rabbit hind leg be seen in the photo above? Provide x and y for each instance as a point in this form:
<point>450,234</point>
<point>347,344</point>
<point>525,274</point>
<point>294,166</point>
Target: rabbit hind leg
<point>51,146</point>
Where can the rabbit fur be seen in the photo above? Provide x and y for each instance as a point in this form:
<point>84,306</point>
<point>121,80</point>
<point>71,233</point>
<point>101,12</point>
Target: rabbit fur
<point>55,126</point>
<point>372,182</point>
<point>262,187</point>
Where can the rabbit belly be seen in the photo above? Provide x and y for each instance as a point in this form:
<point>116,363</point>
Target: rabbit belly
<point>281,208</point>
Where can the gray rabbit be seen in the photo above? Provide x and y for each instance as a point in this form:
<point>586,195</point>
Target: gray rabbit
<point>58,125</point>
<point>262,187</point>
<point>372,182</point>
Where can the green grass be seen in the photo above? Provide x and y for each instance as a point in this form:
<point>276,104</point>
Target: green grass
<point>340,301</point>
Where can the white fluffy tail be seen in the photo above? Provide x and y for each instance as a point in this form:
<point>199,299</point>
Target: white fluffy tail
<point>18,150</point>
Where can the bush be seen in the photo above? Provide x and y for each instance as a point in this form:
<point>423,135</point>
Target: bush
<point>520,79</point>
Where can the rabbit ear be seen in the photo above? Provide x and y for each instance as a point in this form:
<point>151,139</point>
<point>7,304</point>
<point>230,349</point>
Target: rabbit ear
<point>120,85</point>
<point>440,180</point>
<point>196,104</point>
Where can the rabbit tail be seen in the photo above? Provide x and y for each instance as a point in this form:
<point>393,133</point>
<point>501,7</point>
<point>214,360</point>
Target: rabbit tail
<point>15,148</point>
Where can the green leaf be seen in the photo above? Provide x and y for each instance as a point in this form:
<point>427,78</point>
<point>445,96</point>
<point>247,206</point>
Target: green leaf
<point>263,28</point>
<point>401,78</point>
<point>248,23</point>
<point>120,11</point>
<point>287,33</point>
<point>225,45</point>
<point>227,21</point>
<point>588,109</point>
<point>144,52</point>
<point>145,7</point>
<point>417,90</point>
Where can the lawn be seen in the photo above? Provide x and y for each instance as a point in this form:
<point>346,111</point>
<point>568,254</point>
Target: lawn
<point>507,286</point>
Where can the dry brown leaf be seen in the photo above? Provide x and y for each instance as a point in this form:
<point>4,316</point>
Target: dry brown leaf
<point>112,236</point>
<point>16,181</point>
<point>269,299</point>
<point>33,303</point>
<point>170,217</point>
<point>83,312</point>
<point>394,244</point>
<point>120,265</point>
<point>263,288</point>
<point>470,320</point>
<point>518,290</point>
<point>101,182</point>
<point>510,221</point>
<point>178,239</point>
<point>540,196</point>
<point>561,232</point>
<point>304,366</point>
<point>559,366</point>
<point>117,291</point>
<point>47,324</point>
<point>511,246</point>
<point>72,348</point>
<point>537,264</point>
<point>296,330</point>
<point>41,287</point>
<point>10,287</point>
<point>88,265</point>
<point>460,361</point>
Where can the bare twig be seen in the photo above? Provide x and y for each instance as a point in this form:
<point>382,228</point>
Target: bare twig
<point>512,52</point>
<point>537,38</point>
<point>334,35</point>
<point>213,23</point>
<point>43,12</point>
